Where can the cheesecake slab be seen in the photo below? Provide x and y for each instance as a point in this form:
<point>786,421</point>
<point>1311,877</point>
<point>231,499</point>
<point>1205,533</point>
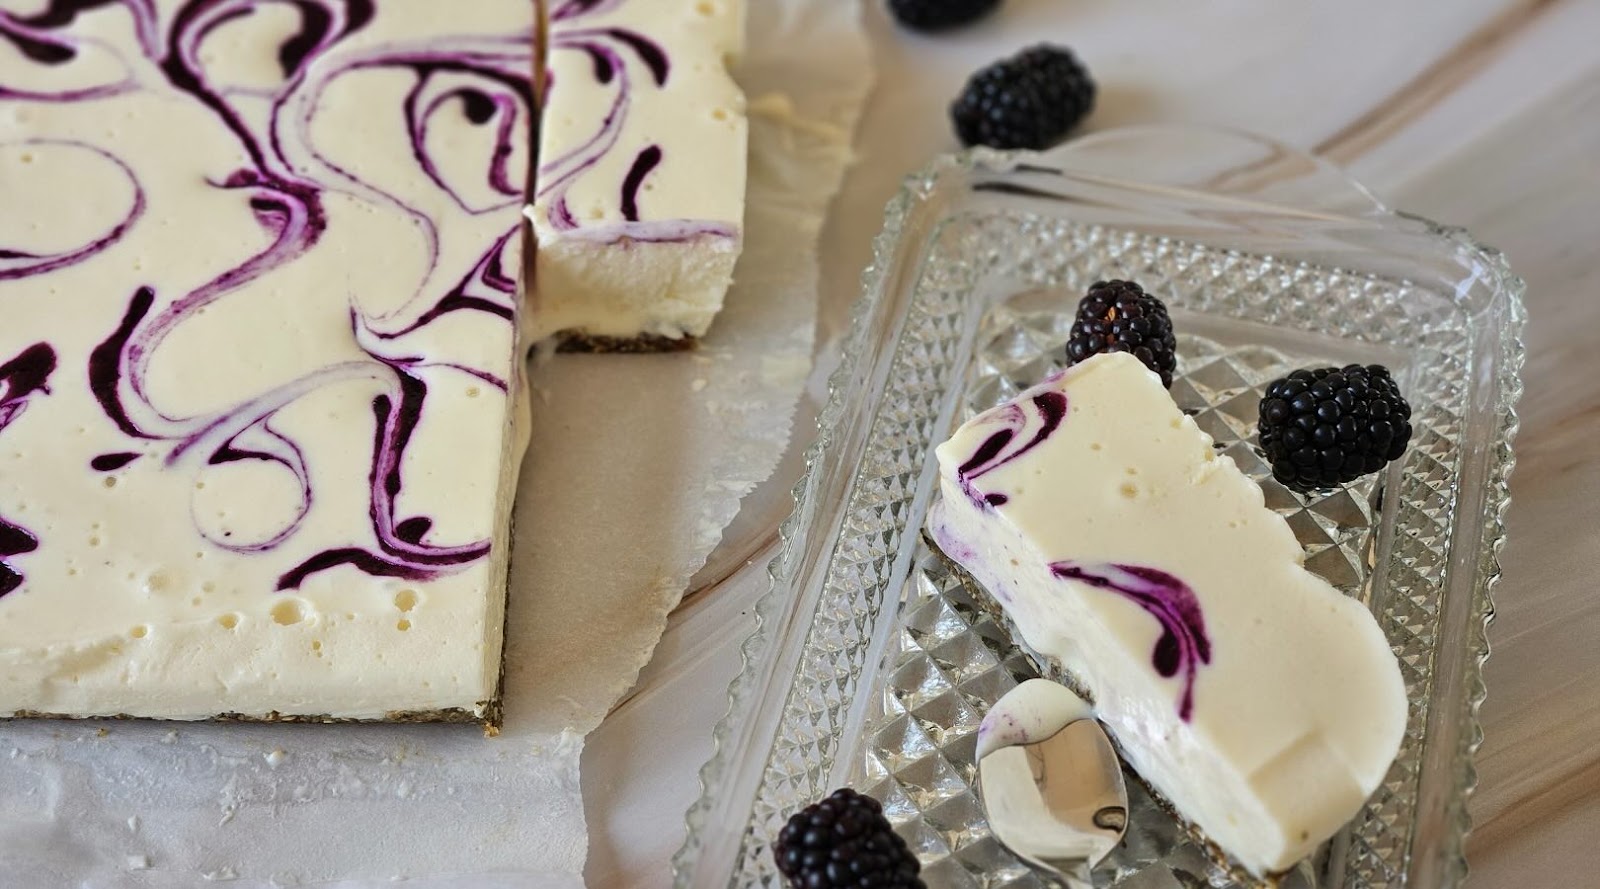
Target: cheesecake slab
<point>1260,702</point>
<point>261,405</point>
<point>642,165</point>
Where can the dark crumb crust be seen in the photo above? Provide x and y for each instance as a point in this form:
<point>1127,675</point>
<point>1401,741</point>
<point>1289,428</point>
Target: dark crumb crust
<point>1051,669</point>
<point>399,716</point>
<point>578,341</point>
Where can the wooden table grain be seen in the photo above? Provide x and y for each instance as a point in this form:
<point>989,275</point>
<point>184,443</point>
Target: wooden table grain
<point>1480,113</point>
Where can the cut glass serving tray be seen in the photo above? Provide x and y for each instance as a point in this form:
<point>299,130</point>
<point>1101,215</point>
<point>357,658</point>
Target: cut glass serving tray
<point>873,662</point>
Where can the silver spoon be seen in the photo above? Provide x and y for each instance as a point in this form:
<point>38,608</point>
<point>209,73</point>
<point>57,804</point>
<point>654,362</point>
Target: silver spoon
<point>1057,802</point>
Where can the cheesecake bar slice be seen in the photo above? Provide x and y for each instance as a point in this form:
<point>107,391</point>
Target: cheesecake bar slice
<point>261,401</point>
<point>1260,702</point>
<point>641,181</point>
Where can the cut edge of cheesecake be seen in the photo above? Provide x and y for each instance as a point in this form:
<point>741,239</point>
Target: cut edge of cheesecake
<point>488,712</point>
<point>637,285</point>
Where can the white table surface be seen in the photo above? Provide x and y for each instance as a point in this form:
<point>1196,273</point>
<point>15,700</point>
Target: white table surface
<point>1482,113</point>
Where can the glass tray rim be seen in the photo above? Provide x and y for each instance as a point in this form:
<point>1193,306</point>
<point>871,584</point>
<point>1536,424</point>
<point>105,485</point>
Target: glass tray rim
<point>781,618</point>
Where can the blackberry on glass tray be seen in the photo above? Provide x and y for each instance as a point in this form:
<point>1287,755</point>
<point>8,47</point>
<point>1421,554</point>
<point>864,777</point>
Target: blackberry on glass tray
<point>1118,316</point>
<point>1323,427</point>
<point>844,840</point>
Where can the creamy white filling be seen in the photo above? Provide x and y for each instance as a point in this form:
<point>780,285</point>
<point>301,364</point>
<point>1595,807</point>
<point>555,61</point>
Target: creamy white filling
<point>642,164</point>
<point>1295,705</point>
<point>623,289</point>
<point>323,229</point>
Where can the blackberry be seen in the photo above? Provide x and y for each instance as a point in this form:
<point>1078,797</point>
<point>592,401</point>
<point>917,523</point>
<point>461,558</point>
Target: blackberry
<point>1326,426</point>
<point>1031,100</point>
<point>939,15</point>
<point>1118,316</point>
<point>845,841</point>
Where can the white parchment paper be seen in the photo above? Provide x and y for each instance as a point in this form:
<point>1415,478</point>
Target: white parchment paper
<point>636,465</point>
